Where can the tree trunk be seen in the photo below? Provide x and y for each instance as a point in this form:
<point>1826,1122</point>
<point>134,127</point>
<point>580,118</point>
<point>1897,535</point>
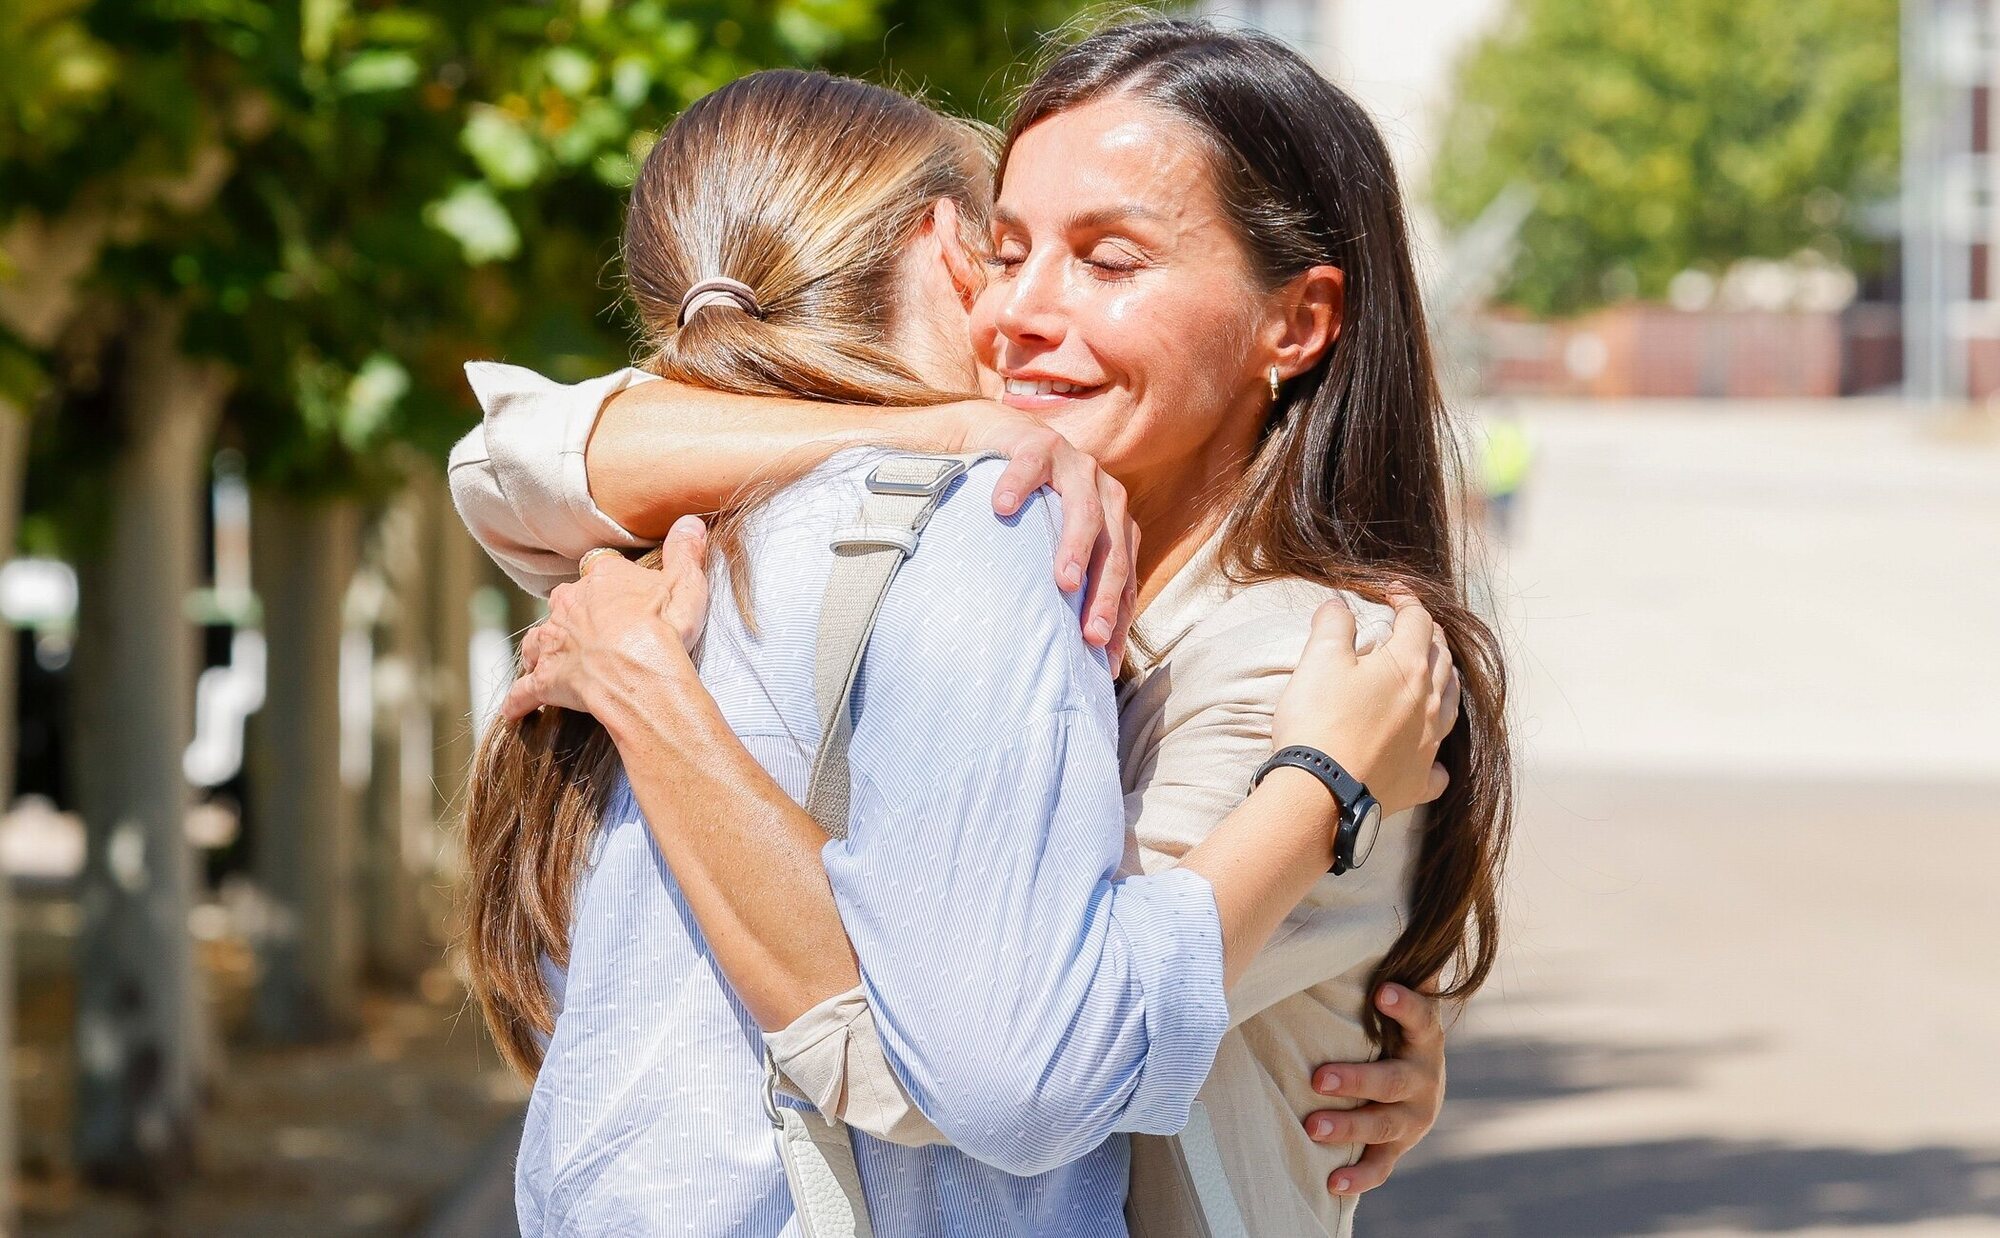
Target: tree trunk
<point>303,554</point>
<point>452,575</point>
<point>402,836</point>
<point>13,456</point>
<point>138,1004</point>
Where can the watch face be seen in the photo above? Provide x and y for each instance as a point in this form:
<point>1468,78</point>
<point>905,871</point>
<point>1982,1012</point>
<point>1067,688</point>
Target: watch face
<point>1366,831</point>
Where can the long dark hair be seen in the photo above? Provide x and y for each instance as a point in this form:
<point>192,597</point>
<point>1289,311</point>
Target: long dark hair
<point>1349,485</point>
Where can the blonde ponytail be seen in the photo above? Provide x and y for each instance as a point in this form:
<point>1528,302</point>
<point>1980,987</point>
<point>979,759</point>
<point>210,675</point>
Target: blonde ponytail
<point>803,190</point>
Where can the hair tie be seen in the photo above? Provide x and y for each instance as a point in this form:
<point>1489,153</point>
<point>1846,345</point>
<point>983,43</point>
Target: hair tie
<point>715,290</point>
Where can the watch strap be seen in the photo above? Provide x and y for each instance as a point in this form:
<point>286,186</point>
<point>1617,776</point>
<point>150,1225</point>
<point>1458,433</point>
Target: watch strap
<point>1349,792</point>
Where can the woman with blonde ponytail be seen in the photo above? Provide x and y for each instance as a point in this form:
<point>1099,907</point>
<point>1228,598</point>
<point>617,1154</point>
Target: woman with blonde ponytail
<point>826,254</point>
<point>650,908</point>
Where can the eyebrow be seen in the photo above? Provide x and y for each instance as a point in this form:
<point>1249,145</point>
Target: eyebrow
<point>1101,217</point>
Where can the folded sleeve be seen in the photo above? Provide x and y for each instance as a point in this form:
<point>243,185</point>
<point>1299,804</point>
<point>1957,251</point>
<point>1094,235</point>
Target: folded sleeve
<point>518,478</point>
<point>1228,675</point>
<point>1030,1003</point>
<point>832,1056</point>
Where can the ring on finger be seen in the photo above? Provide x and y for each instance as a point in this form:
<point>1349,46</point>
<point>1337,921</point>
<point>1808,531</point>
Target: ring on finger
<point>591,557</point>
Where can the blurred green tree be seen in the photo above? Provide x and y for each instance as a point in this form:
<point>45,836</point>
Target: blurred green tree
<point>970,57</point>
<point>1664,137</point>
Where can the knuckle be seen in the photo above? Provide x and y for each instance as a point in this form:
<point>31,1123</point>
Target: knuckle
<point>1365,1176</point>
<point>1430,1011</point>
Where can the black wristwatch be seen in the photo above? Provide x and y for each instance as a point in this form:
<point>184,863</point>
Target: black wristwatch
<point>1360,814</point>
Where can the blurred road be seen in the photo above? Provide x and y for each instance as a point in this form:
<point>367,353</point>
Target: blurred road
<point>1749,984</point>
<point>1776,589</point>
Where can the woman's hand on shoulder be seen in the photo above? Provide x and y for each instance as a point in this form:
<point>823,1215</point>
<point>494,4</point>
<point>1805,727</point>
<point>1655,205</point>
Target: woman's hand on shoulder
<point>1099,544</point>
<point>616,629</point>
<point>1381,714</point>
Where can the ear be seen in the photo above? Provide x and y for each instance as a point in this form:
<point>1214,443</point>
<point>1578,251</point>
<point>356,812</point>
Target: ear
<point>967,275</point>
<point>1306,319</point>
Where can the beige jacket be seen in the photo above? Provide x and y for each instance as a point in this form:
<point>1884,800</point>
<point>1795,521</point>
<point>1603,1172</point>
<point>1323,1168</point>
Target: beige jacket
<point>1195,722</point>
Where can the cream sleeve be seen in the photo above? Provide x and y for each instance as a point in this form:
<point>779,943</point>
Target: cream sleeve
<point>832,1057</point>
<point>1228,673</point>
<point>518,478</point>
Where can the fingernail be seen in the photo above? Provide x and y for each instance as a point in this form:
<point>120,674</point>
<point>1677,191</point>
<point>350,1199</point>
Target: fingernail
<point>1072,574</point>
<point>1391,995</point>
<point>1007,500</point>
<point>1343,1185</point>
<point>1322,1127</point>
<point>1100,629</point>
<point>1328,1082</point>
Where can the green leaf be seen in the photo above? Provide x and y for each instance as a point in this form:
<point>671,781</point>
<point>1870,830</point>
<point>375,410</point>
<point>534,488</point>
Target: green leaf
<point>572,72</point>
<point>379,70</point>
<point>318,20</point>
<point>615,168</point>
<point>631,80</point>
<point>378,386</point>
<point>597,125</point>
<point>504,151</point>
<point>474,217</point>
<point>404,26</point>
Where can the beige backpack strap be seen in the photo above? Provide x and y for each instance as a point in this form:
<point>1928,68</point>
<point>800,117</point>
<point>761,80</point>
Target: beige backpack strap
<point>902,492</point>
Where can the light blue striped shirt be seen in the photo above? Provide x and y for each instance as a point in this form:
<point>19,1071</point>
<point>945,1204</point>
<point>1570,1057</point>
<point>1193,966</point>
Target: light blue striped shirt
<point>1032,1005</point>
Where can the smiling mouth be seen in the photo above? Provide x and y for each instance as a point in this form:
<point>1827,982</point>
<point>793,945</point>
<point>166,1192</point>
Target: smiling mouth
<point>1046,387</point>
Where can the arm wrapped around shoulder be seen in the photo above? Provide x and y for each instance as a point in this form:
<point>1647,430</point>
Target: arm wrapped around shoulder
<point>518,477</point>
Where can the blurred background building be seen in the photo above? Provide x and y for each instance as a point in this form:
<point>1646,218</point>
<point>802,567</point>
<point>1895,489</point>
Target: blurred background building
<point>1715,283</point>
<point>1951,185</point>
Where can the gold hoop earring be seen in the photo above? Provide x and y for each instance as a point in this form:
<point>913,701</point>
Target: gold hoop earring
<point>1273,376</point>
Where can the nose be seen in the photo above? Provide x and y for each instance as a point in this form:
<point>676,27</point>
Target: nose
<point>1031,308</point>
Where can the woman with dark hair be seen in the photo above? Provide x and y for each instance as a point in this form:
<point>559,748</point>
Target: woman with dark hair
<point>1200,276</point>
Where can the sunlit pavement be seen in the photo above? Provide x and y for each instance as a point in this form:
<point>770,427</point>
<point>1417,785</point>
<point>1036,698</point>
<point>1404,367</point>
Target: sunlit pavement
<point>1750,983</point>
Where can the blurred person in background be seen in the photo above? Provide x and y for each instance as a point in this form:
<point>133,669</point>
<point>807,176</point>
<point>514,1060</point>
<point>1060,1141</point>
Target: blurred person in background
<point>1277,443</point>
<point>1505,459</point>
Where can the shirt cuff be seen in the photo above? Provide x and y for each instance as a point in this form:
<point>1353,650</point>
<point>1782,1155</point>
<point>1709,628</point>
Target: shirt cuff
<point>536,433</point>
<point>1174,935</point>
<point>833,1056</point>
